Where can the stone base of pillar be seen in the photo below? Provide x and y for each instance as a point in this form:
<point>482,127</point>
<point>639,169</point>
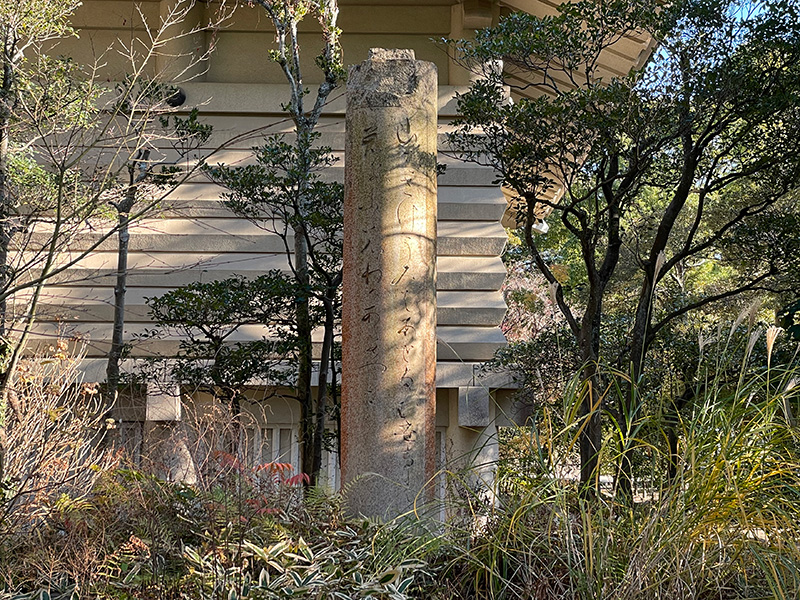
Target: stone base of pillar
<point>165,439</point>
<point>167,451</point>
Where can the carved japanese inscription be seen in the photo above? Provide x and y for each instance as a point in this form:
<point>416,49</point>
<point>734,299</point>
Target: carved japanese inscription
<point>389,302</point>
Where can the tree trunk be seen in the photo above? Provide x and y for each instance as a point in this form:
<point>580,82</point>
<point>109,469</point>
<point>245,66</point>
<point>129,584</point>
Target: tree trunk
<point>288,57</point>
<point>5,239</point>
<point>335,405</point>
<point>124,208</point>
<point>322,391</point>
<point>310,462</point>
<point>305,357</point>
<point>229,397</point>
<point>591,438</point>
<point>5,224</point>
<point>235,403</point>
<point>115,353</point>
<point>7,101</point>
<point>630,402</point>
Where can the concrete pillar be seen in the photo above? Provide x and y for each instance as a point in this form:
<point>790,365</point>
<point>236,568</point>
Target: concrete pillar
<point>472,443</point>
<point>389,288</point>
<point>165,438</point>
<point>465,17</point>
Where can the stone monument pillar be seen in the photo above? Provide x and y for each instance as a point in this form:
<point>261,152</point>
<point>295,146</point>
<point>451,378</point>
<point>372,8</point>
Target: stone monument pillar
<point>389,288</point>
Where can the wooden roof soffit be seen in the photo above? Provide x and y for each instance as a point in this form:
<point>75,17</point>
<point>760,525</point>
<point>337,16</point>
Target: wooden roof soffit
<point>630,52</point>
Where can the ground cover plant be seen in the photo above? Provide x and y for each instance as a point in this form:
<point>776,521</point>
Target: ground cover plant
<point>723,523</point>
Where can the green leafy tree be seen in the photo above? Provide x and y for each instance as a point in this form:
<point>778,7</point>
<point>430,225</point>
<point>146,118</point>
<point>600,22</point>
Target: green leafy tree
<point>66,139</point>
<point>24,26</point>
<point>284,194</point>
<point>679,165</point>
<point>207,317</point>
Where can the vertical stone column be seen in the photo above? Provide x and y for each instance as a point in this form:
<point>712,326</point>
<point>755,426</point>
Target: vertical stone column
<point>389,288</point>
<point>165,441</point>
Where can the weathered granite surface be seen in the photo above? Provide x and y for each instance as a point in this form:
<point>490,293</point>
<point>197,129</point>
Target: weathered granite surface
<point>389,289</point>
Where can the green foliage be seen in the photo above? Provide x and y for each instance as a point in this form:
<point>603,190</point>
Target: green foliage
<point>336,565</point>
<point>723,526</point>
<point>54,98</point>
<point>790,320</point>
<point>33,188</point>
<point>188,132</point>
<point>207,317</point>
<point>583,30</point>
<point>541,353</point>
<point>286,18</point>
<point>249,535</point>
<point>615,144</point>
<point>34,21</point>
<point>284,192</point>
<point>56,95</point>
<point>672,189</point>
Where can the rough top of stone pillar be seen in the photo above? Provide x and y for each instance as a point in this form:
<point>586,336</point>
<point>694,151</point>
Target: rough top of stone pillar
<point>391,54</point>
<point>388,77</point>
